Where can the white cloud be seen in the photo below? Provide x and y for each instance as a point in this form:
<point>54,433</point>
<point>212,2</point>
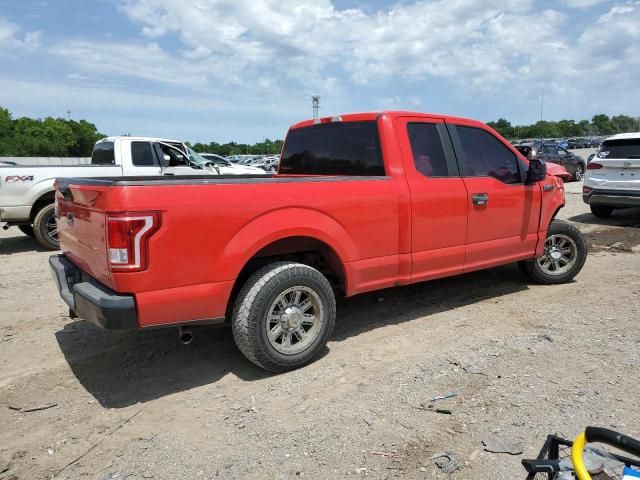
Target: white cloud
<point>582,3</point>
<point>10,38</point>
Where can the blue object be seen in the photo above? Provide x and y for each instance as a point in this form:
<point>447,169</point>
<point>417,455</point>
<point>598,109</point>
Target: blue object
<point>630,474</point>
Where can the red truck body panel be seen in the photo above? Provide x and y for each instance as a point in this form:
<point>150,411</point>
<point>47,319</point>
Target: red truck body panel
<point>381,231</point>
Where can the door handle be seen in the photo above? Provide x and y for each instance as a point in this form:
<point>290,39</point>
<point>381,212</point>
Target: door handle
<point>480,198</point>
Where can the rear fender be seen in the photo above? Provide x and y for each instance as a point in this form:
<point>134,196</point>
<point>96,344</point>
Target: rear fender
<point>278,225</point>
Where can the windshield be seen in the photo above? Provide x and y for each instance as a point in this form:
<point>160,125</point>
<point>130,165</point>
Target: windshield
<point>623,148</point>
<point>196,158</point>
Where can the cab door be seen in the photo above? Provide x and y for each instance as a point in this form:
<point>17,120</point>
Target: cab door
<point>503,213</point>
<point>438,198</point>
<point>138,158</point>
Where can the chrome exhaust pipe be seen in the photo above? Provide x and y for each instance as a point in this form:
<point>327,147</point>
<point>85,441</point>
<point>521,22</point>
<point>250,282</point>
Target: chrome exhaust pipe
<point>185,335</point>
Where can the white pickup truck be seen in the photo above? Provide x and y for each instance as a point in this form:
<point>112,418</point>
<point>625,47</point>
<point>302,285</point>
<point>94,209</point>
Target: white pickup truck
<point>27,194</point>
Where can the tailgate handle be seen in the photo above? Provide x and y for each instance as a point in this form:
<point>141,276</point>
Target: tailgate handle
<point>480,198</point>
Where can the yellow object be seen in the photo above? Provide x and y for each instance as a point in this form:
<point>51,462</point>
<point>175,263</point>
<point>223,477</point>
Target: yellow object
<point>576,457</point>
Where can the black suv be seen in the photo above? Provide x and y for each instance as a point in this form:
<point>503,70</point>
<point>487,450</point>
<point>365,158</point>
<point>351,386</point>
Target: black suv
<point>550,152</point>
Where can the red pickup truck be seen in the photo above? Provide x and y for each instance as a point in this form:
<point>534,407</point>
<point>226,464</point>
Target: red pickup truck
<point>360,202</point>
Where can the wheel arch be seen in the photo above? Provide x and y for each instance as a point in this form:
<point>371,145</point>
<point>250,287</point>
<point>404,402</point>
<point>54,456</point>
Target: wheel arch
<point>42,201</point>
<point>317,240</point>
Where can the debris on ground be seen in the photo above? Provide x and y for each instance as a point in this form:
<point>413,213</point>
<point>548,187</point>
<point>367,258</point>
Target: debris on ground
<point>33,409</point>
<point>448,462</point>
<point>444,397</point>
<point>500,444</point>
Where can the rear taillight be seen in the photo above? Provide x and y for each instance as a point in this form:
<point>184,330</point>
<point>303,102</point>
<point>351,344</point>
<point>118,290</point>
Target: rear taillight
<point>128,238</point>
<point>594,166</point>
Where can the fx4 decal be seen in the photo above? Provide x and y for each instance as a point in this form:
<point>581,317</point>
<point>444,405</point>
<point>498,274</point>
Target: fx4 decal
<point>18,178</point>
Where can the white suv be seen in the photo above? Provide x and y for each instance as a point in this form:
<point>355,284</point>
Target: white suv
<point>613,175</point>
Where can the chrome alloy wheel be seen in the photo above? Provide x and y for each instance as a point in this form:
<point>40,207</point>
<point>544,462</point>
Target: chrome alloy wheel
<point>52,228</point>
<point>560,255</point>
<point>295,320</point>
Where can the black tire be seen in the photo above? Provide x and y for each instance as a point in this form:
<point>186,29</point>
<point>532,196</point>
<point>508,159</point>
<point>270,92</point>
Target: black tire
<point>253,305</point>
<point>42,225</point>
<point>538,274</point>
<point>27,230</point>
<point>578,174</point>
<point>601,211</point>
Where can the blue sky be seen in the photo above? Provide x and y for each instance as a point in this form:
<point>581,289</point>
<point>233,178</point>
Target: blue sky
<point>244,70</point>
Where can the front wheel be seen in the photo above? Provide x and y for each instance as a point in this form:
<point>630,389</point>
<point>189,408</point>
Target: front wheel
<point>27,230</point>
<point>578,174</point>
<point>284,316</point>
<point>565,252</point>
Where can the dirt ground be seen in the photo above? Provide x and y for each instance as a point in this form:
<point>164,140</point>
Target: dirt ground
<point>525,361</point>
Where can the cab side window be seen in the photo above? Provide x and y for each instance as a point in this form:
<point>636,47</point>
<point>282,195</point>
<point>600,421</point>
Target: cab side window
<point>483,155</point>
<point>428,153</point>
<point>141,154</point>
<point>177,158</point>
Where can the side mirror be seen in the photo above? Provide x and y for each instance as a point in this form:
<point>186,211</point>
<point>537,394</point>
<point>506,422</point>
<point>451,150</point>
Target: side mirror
<point>591,157</point>
<point>537,171</point>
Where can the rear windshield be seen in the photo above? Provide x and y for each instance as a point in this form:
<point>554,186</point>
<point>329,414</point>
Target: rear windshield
<point>350,148</point>
<point>103,154</point>
<point>625,148</point>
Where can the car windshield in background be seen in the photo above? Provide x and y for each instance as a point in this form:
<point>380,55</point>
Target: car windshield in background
<point>525,150</point>
<point>349,148</point>
<point>623,148</point>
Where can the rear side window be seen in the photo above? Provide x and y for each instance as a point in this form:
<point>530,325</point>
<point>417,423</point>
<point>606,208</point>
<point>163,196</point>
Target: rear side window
<point>141,154</point>
<point>483,155</point>
<point>103,154</point>
<point>426,146</point>
<point>349,148</point>
<point>623,148</point>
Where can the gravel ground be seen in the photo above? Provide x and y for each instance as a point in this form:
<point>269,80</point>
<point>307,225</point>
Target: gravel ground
<point>525,360</point>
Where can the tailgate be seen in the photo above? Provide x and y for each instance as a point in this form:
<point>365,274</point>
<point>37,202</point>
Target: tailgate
<point>81,218</point>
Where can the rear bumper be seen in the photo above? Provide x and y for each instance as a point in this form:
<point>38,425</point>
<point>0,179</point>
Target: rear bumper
<point>612,198</point>
<point>90,300</point>
<point>15,214</point>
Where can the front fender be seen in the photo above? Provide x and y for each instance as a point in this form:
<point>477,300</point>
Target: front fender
<point>277,225</point>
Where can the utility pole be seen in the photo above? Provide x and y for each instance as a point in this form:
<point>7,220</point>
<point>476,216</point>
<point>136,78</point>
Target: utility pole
<point>315,102</point>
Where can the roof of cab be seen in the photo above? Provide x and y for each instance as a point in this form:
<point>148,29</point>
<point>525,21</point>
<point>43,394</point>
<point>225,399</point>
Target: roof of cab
<point>138,139</point>
<point>370,116</point>
<point>624,136</point>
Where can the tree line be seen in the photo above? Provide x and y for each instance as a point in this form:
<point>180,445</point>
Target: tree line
<point>48,137</point>
<point>600,124</point>
<point>60,137</point>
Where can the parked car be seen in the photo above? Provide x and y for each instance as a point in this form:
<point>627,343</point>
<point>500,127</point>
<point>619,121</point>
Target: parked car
<point>6,163</point>
<point>225,167</point>
<point>448,196</point>
<point>613,175</point>
<point>552,153</point>
<point>27,193</point>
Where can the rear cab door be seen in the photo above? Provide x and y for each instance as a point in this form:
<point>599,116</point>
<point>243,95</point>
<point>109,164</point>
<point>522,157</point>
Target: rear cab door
<point>138,157</point>
<point>503,213</point>
<point>438,197</point>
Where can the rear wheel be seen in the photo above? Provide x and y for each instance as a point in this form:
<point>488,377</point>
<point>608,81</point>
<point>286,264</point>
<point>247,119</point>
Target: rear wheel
<point>565,252</point>
<point>45,228</point>
<point>601,211</point>
<point>578,174</point>
<point>284,316</point>
<point>27,230</point>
